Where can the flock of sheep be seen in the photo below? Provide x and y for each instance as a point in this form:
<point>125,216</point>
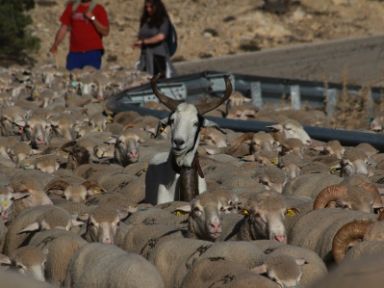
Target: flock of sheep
<point>92,198</point>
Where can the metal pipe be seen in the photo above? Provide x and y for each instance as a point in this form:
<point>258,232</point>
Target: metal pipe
<point>346,137</point>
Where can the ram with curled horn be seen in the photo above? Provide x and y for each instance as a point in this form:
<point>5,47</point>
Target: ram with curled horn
<point>177,175</point>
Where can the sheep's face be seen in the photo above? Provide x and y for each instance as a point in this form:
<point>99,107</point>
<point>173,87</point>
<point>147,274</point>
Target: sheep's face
<point>283,269</point>
<point>31,262</point>
<point>377,124</point>
<point>266,224</point>
<point>292,129</point>
<point>75,193</point>
<point>12,124</point>
<point>357,199</point>
<point>39,132</point>
<point>205,220</point>
<point>349,167</point>
<point>214,138</point>
<point>103,231</point>
<point>127,149</point>
<point>185,124</point>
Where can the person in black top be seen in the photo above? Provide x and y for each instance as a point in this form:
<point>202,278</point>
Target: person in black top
<point>153,32</point>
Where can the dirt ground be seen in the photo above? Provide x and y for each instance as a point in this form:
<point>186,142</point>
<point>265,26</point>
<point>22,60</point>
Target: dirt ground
<point>221,27</point>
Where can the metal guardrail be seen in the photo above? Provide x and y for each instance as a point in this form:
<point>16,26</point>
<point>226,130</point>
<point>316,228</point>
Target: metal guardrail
<point>262,90</point>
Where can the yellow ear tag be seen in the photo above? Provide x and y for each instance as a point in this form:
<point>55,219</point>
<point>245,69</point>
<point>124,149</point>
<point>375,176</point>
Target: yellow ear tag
<point>245,212</point>
<point>275,161</point>
<point>290,212</point>
<point>180,213</point>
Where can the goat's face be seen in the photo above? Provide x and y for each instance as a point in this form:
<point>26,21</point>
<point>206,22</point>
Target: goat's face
<point>185,125</point>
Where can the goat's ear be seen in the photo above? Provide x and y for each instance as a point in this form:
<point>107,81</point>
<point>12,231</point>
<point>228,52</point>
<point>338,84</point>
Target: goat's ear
<point>163,123</point>
<point>182,210</point>
<point>35,226</point>
<point>260,269</point>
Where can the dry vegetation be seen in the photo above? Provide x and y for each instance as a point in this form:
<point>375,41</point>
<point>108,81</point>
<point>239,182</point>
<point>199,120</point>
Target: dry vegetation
<point>223,27</point>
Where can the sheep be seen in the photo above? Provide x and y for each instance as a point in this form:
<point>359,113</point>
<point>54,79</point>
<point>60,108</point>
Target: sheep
<point>354,192</point>
<point>15,280</point>
<point>127,147</point>
<point>38,130</point>
<point>368,231</point>
<point>264,214</point>
<point>100,265</point>
<point>76,192</point>
<point>354,161</point>
<point>363,272</point>
<point>290,129</point>
<point>163,183</point>
<point>310,185</point>
<point>205,216</point>
<point>35,219</point>
<point>13,121</point>
<point>219,272</point>
<point>327,223</point>
<point>102,225</point>
<point>59,246</point>
<point>30,261</point>
<point>173,266</point>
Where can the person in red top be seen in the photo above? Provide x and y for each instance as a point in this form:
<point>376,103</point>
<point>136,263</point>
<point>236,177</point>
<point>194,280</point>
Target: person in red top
<point>87,28</point>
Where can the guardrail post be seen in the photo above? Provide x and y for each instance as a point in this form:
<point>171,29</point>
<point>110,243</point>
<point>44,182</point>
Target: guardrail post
<point>257,98</point>
<point>331,100</point>
<point>295,97</point>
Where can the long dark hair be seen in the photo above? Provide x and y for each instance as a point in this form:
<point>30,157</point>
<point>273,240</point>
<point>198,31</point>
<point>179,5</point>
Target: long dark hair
<point>160,13</point>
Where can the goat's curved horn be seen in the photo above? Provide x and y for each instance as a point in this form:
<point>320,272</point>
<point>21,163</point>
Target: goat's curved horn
<point>328,194</point>
<point>351,231</point>
<point>169,102</point>
<point>206,107</point>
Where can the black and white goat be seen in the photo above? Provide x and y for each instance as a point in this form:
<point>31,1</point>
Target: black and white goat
<point>177,175</point>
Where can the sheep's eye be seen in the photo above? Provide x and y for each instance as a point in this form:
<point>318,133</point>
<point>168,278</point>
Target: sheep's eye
<point>197,211</point>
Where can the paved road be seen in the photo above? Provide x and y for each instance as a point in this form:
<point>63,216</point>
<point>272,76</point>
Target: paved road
<point>359,61</point>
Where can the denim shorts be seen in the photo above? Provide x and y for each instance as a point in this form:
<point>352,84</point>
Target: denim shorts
<point>81,59</point>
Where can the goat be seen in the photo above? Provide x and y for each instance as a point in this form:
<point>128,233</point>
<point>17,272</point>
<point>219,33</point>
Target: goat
<point>186,120</point>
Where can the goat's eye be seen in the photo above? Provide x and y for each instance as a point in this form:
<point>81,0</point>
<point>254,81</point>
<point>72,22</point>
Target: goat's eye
<point>196,124</point>
<point>171,121</point>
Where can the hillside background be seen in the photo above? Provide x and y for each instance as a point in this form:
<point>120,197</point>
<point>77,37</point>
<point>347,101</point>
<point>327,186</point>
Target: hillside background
<point>209,28</point>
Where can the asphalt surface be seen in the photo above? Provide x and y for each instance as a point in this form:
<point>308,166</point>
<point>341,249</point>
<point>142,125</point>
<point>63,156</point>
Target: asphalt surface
<point>357,61</point>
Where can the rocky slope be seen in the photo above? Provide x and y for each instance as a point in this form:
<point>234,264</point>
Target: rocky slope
<point>221,27</point>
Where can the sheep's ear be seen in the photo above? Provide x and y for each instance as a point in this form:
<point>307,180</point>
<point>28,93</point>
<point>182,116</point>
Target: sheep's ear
<point>20,195</point>
<point>82,217</point>
<point>290,212</point>
<point>128,210</point>
<point>122,214</point>
<point>261,269</point>
<point>249,158</point>
<point>76,222</point>
<point>35,226</point>
<point>209,123</point>
<point>5,261</point>
<point>275,128</point>
<point>301,261</point>
<point>182,210</point>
